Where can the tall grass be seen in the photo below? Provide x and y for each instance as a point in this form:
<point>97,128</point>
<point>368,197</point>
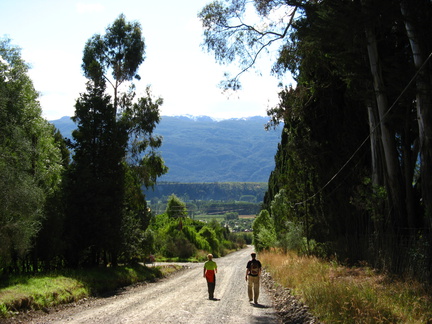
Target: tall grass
<point>338,294</point>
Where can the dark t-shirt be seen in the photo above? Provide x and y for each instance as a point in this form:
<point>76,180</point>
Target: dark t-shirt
<point>251,265</point>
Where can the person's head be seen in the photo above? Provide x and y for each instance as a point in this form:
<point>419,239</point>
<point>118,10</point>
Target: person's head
<point>253,255</point>
<point>210,256</point>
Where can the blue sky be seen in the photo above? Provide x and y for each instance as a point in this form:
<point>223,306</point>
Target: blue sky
<point>52,35</point>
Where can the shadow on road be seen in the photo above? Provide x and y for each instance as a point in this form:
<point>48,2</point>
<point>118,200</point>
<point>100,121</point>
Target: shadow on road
<point>260,306</point>
<point>264,319</point>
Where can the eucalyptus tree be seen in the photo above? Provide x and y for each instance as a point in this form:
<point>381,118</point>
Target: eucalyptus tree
<point>353,62</point>
<point>264,234</point>
<point>30,160</point>
<point>113,144</point>
<point>416,18</point>
<point>315,113</point>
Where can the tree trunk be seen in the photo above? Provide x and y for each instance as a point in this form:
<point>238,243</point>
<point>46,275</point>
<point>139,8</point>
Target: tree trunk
<point>409,167</point>
<point>374,142</point>
<point>424,114</point>
<point>393,172</point>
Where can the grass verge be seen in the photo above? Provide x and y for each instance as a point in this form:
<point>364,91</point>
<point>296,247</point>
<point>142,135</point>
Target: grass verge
<point>20,293</point>
<point>338,294</point>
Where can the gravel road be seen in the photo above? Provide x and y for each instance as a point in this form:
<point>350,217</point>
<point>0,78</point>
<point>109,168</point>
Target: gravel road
<point>181,298</point>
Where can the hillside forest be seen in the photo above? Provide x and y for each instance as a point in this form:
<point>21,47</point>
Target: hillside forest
<point>352,177</point>
<point>201,149</point>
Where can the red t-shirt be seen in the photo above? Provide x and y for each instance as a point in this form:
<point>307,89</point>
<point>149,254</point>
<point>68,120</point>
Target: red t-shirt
<point>210,275</point>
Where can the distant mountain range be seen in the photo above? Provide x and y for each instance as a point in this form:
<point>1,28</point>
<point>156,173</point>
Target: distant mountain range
<point>201,149</point>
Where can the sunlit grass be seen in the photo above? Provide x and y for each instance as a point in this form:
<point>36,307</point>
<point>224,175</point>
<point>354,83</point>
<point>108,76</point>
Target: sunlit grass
<point>337,294</point>
<point>38,292</point>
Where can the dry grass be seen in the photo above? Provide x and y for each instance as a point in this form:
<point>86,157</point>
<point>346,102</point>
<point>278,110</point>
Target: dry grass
<point>338,294</point>
<point>247,216</point>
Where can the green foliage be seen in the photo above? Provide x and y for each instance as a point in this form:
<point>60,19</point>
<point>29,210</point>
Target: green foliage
<point>215,191</point>
<point>292,238</point>
<point>280,211</point>
<point>211,209</point>
<point>187,239</point>
<point>265,239</point>
<point>21,293</point>
<point>239,225</point>
<point>114,152</point>
<point>195,238</point>
<point>210,236</point>
<point>175,207</point>
<point>323,157</point>
<point>30,160</point>
<point>264,234</point>
<point>121,50</point>
<point>231,39</point>
<point>231,215</point>
<point>178,246</point>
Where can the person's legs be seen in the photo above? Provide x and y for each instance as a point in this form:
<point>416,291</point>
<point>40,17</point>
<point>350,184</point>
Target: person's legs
<point>211,289</point>
<point>250,283</point>
<point>256,289</point>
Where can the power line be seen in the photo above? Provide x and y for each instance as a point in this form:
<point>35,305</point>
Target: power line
<point>367,137</point>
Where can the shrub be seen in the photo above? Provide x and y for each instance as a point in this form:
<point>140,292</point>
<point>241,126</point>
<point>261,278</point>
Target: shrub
<point>210,236</point>
<point>178,246</point>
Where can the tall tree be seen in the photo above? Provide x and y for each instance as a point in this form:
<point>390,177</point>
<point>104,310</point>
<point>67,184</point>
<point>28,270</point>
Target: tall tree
<point>114,137</point>
<point>329,46</point>
<point>417,24</point>
<point>30,160</point>
<point>175,207</point>
<point>393,171</point>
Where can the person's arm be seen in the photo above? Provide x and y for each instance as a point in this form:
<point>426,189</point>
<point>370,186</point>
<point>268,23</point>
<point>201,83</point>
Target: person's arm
<point>204,272</point>
<point>247,271</point>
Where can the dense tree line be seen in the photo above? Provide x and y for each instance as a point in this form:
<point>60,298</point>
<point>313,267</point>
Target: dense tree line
<point>216,208</point>
<point>220,191</point>
<point>31,161</point>
<point>353,173</point>
<point>90,210</point>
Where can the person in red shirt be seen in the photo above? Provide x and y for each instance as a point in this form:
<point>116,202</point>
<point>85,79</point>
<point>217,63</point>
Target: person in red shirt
<point>210,270</point>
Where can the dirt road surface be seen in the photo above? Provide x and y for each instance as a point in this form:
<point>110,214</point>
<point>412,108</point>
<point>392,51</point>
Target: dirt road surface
<point>181,298</point>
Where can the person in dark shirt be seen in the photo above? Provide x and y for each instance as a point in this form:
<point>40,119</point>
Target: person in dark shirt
<point>253,273</point>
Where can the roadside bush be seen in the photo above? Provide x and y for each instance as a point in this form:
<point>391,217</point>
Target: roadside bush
<point>210,236</point>
<point>264,234</point>
<point>193,236</point>
<point>265,239</point>
<point>229,245</point>
<point>186,238</point>
<point>178,246</point>
<point>292,239</point>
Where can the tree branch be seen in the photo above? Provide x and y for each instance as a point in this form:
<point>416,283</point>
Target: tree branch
<point>263,46</point>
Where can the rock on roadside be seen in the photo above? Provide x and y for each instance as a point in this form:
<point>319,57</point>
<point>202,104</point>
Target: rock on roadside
<point>288,308</point>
